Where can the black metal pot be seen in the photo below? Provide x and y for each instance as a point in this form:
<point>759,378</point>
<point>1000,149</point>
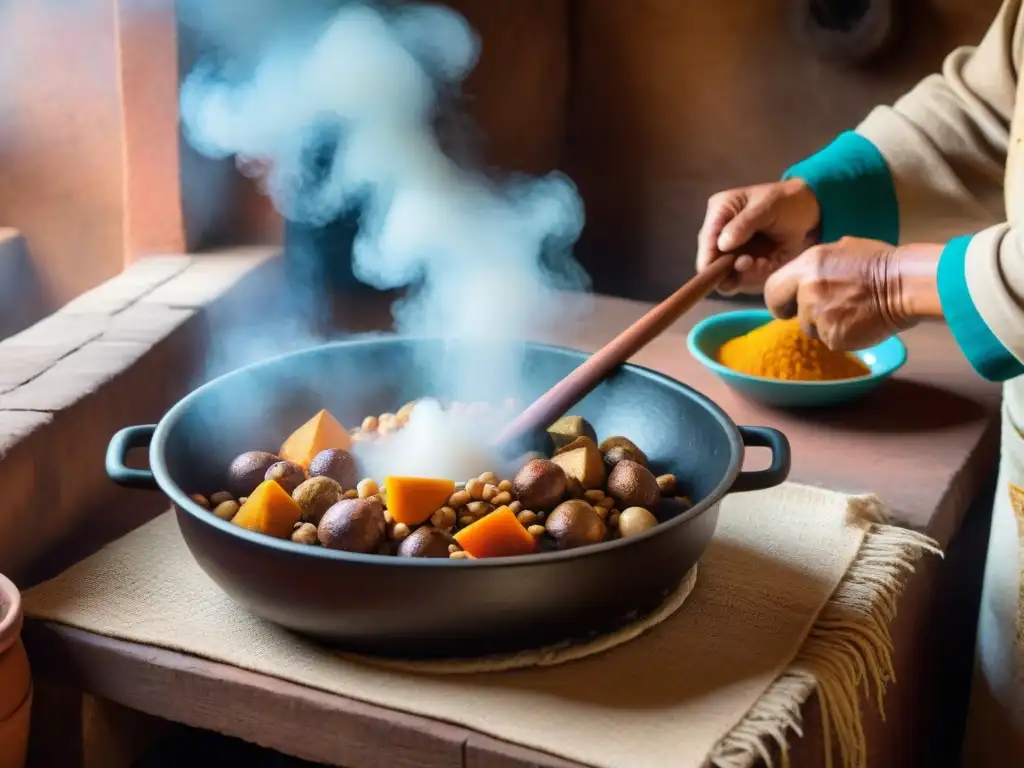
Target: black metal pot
<point>431,608</point>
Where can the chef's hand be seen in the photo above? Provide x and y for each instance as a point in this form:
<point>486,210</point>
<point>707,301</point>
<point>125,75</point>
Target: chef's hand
<point>854,293</point>
<point>785,213</point>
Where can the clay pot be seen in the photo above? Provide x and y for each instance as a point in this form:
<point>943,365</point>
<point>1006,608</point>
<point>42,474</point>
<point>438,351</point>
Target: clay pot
<point>15,680</point>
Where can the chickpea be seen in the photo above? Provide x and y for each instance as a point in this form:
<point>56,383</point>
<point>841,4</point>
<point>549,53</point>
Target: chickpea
<point>595,496</point>
<point>305,533</point>
<point>402,417</point>
<point>488,478</point>
<point>479,508</point>
<point>667,484</point>
<point>459,499</point>
<point>366,488</point>
<point>226,509</point>
<point>502,499</point>
<point>536,531</point>
<point>527,518</point>
<point>370,424</point>
<point>505,486</point>
<point>475,488</point>
<point>458,555</point>
<point>444,518</point>
<point>201,500</point>
<point>400,531</point>
<point>220,497</point>
<point>489,492</point>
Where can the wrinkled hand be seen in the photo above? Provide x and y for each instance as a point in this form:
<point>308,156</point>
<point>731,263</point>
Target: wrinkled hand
<point>850,294</point>
<point>784,213</point>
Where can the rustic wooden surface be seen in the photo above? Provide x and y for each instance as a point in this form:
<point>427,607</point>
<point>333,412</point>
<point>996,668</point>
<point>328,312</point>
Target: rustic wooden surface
<point>925,443</point>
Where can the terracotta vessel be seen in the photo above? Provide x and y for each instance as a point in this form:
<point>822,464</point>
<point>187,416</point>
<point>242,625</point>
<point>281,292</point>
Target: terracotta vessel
<point>15,680</point>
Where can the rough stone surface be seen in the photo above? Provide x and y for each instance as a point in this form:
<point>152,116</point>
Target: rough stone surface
<point>119,355</point>
<point>134,283</point>
<point>206,280</point>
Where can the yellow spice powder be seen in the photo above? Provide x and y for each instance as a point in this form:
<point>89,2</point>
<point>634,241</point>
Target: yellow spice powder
<point>781,350</point>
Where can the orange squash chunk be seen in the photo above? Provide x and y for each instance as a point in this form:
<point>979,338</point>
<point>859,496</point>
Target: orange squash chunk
<point>498,534</point>
<point>411,500</point>
<point>321,432</point>
<point>270,510</point>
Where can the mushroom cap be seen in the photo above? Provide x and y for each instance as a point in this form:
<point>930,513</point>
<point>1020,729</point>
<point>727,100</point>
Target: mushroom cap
<point>353,525</point>
<point>575,523</point>
<point>248,470</point>
<point>337,464</point>
<point>633,485</point>
<point>426,541</point>
<point>540,484</point>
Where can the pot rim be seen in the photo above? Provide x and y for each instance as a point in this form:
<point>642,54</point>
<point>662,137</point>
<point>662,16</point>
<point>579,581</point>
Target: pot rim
<point>11,617</point>
<point>184,504</point>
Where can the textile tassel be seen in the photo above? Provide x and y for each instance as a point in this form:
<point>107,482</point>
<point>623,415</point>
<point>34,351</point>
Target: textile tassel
<point>847,653</point>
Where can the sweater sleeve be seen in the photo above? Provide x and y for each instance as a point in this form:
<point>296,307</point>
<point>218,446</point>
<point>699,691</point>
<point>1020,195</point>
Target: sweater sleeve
<point>931,168</point>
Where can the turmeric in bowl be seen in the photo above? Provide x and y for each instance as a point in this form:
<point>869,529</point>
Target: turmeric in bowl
<point>781,350</point>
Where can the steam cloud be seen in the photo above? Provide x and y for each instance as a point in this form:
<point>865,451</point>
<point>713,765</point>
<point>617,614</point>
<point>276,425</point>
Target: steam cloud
<point>290,79</point>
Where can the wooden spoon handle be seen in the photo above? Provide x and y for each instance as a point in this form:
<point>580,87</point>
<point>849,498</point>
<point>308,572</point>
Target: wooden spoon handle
<point>581,381</point>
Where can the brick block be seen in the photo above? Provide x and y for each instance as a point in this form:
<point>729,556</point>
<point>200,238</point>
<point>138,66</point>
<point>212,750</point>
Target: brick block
<point>26,497</point>
<point>207,278</point>
<point>87,374</point>
<point>74,377</point>
<point>67,503</point>
<point>146,323</point>
<point>118,293</point>
<point>16,426</point>
<point>28,354</point>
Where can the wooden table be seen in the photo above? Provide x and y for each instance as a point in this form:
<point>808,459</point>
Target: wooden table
<point>926,443</point>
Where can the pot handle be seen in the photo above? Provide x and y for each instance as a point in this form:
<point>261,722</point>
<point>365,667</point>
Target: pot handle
<point>124,441</point>
<point>776,474</point>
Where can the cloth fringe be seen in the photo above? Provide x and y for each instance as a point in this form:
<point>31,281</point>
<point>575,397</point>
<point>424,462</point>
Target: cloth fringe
<point>848,651</point>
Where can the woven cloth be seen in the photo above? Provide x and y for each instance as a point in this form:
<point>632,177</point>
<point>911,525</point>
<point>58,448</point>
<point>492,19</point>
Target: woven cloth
<point>795,594</point>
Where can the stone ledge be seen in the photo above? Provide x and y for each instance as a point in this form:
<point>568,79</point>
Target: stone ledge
<point>120,354</point>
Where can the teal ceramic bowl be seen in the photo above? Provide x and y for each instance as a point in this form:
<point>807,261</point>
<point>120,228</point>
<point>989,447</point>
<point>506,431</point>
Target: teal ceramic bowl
<point>710,334</point>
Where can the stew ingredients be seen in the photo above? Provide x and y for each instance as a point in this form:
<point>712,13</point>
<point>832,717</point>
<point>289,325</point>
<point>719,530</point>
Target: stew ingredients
<point>781,350</point>
<point>311,492</point>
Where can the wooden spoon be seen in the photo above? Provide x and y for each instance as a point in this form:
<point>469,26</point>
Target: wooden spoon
<point>554,403</point>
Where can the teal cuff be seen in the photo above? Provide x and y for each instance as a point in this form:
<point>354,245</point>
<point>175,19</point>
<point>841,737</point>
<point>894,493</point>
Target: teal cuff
<point>985,352</point>
<point>854,188</point>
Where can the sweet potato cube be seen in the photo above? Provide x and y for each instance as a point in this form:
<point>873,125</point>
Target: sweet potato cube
<point>584,464</point>
<point>498,534</point>
<point>411,500</point>
<point>321,432</point>
<point>270,510</point>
